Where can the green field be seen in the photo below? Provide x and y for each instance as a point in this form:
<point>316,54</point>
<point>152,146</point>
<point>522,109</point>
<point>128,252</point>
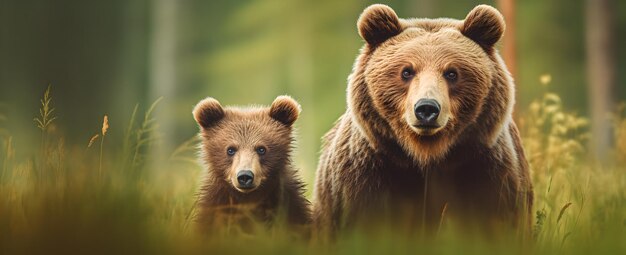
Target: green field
<point>108,196</point>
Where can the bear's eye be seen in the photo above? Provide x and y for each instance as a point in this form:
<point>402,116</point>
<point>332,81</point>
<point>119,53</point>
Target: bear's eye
<point>231,151</point>
<point>261,150</point>
<point>450,75</point>
<point>407,73</point>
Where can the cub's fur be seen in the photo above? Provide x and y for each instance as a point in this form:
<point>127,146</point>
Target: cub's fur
<point>250,178</point>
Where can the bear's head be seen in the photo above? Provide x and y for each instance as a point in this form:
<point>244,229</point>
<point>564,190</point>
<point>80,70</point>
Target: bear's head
<point>246,147</point>
<point>427,84</point>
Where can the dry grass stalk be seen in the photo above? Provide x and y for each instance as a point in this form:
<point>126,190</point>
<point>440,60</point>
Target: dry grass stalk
<point>92,140</point>
<point>105,128</point>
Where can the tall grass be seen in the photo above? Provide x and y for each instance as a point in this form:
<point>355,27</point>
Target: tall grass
<point>77,199</point>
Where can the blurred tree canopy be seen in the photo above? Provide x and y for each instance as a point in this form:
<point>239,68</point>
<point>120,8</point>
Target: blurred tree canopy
<point>102,57</point>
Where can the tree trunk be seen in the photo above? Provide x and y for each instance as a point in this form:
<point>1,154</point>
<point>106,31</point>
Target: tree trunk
<point>600,21</point>
<point>509,48</point>
<point>163,72</point>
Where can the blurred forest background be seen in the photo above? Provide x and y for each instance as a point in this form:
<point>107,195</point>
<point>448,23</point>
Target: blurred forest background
<point>104,57</point>
<point>131,72</point>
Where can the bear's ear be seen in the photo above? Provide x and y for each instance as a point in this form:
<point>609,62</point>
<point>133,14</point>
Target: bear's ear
<point>285,110</point>
<point>378,23</point>
<point>484,25</point>
<point>208,112</point>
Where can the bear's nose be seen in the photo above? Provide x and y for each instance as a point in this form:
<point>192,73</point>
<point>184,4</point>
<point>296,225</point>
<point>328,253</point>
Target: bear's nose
<point>245,178</point>
<point>427,111</point>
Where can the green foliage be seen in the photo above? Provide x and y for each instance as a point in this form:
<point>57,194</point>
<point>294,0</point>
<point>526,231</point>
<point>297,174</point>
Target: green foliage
<point>3,119</point>
<point>137,140</point>
<point>45,112</point>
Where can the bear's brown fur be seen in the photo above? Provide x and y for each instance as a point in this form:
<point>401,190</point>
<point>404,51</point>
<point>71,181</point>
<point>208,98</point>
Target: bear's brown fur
<point>258,140</point>
<point>379,159</point>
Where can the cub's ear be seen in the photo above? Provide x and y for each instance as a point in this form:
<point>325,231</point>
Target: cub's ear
<point>378,23</point>
<point>285,110</point>
<point>208,112</point>
<point>484,25</point>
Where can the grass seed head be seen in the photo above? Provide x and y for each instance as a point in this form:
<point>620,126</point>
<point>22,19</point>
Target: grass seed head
<point>105,125</point>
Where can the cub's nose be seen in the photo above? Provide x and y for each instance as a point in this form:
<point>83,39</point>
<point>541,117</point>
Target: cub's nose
<point>245,179</point>
<point>427,111</point>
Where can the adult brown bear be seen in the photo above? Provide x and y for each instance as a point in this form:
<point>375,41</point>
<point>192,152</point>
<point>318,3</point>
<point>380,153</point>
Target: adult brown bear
<point>428,126</point>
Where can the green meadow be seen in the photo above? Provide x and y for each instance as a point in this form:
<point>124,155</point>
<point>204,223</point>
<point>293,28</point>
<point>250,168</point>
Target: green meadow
<point>106,195</point>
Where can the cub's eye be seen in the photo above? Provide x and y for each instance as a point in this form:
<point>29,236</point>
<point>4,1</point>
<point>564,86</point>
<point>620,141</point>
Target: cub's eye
<point>231,151</point>
<point>261,150</point>
<point>450,75</point>
<point>407,74</point>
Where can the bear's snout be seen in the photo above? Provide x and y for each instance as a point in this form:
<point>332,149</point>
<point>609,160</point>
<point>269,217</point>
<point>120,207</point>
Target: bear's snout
<point>245,178</point>
<point>426,112</point>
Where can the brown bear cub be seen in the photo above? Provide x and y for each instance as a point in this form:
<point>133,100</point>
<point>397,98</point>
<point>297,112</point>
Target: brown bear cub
<point>428,139</point>
<point>250,176</point>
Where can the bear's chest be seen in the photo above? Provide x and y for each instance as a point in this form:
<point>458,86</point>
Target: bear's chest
<point>455,183</point>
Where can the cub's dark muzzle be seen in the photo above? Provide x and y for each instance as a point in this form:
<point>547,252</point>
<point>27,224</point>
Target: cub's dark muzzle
<point>245,178</point>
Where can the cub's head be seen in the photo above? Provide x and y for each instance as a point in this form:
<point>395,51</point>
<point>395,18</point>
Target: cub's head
<point>246,147</point>
<point>429,80</point>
